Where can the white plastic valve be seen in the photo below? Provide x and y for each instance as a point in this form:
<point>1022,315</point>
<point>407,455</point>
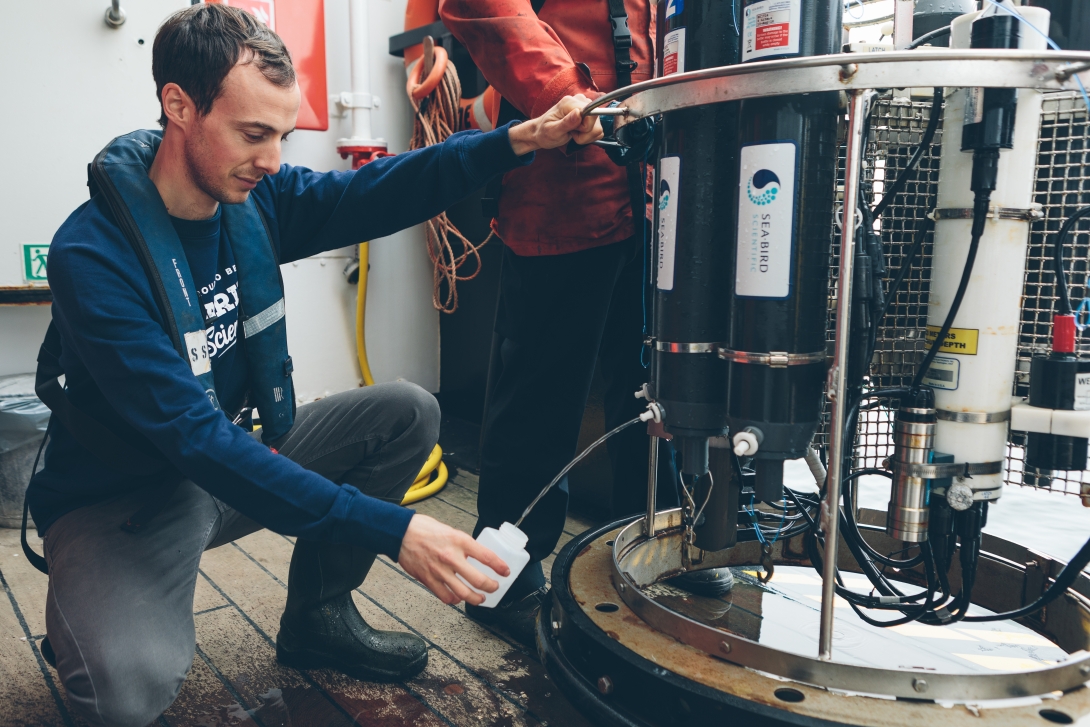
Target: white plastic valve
<point>652,413</point>
<point>745,443</point>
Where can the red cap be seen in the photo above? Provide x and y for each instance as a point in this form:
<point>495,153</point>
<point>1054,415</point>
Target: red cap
<point>1063,334</point>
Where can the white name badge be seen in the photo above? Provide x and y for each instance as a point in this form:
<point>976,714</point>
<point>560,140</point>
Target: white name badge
<point>196,349</point>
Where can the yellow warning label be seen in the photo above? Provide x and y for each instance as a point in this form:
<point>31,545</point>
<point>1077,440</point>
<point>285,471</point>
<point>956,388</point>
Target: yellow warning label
<point>958,340</point>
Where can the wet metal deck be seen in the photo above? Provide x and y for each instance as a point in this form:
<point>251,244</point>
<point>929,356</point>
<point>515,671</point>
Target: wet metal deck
<point>474,676</point>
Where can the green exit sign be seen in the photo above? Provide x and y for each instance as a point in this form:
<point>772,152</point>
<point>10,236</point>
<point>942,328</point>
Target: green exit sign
<point>35,257</point>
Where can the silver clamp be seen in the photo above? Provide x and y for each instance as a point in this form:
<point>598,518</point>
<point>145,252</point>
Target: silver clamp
<point>994,213</point>
<point>668,347</point>
<point>973,417</point>
<point>950,469</point>
<point>773,359</point>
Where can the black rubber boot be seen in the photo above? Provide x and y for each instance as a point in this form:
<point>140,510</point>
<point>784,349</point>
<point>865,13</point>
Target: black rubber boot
<point>711,582</point>
<point>322,629</point>
<point>48,654</point>
<point>517,618</point>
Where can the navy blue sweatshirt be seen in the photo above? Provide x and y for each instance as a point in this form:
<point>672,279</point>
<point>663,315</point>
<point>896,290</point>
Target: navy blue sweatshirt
<point>122,369</point>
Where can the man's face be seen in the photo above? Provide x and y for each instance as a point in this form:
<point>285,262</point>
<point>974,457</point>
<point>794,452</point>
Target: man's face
<point>229,150</point>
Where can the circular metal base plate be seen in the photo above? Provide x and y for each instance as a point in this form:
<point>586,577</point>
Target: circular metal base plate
<point>620,671</point>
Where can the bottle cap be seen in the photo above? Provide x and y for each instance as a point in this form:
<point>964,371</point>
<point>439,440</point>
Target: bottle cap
<point>515,535</point>
<point>1063,334</point>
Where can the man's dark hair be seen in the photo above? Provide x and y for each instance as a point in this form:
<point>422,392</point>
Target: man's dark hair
<point>197,47</point>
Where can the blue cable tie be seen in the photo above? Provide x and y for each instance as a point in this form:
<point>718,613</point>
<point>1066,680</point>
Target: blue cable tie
<point>1083,308</point>
<point>753,516</point>
<point>783,519</point>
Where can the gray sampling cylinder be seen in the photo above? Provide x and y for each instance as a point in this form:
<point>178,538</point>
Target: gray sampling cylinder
<point>934,14</point>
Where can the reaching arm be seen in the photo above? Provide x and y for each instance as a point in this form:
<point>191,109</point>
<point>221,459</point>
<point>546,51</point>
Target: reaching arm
<point>317,212</point>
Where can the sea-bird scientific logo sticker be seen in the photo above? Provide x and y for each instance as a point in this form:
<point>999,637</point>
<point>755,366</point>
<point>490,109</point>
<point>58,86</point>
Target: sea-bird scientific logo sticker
<point>669,174</point>
<point>763,187</point>
<point>766,220</point>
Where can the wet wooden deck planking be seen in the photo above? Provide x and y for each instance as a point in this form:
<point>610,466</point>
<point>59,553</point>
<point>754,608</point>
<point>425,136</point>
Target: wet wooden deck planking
<point>475,676</point>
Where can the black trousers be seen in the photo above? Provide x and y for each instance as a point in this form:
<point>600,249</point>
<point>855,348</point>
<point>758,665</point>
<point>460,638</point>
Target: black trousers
<point>557,316</point>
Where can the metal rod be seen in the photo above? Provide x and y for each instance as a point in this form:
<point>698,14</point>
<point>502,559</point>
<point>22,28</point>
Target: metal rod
<point>868,22</point>
<point>115,15</point>
<point>831,507</point>
<point>880,59</point>
<point>611,111</point>
<point>652,486</point>
<point>902,23</point>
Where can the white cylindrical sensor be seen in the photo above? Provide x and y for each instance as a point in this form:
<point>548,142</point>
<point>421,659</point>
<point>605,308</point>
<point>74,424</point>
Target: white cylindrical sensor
<point>973,374</point>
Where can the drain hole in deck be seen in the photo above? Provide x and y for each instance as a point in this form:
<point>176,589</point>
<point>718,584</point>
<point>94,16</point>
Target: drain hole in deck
<point>609,608</point>
<point>1055,715</point>
<point>791,695</point>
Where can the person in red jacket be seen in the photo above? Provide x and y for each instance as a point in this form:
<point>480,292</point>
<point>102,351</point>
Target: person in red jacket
<point>572,286</point>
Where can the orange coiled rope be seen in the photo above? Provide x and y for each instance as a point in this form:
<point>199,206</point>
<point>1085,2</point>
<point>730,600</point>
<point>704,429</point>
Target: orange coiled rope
<point>437,115</point>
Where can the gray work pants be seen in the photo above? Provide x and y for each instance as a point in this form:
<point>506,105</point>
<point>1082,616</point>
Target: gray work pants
<point>119,611</point>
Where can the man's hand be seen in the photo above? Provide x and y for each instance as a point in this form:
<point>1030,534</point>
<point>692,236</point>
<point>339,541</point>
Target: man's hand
<point>433,553</point>
<point>562,123</point>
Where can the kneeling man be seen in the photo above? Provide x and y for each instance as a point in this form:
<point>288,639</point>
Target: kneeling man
<point>168,326</point>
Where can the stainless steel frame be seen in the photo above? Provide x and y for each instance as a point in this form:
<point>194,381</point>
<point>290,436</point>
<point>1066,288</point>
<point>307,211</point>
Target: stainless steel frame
<point>857,75</point>
<point>1043,70</point>
<point>973,417</point>
<point>668,347</point>
<point>639,561</point>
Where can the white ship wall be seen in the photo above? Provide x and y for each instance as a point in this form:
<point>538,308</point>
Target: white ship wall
<point>71,84</point>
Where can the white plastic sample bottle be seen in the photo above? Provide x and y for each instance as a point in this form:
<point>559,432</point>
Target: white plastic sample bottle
<point>509,543</point>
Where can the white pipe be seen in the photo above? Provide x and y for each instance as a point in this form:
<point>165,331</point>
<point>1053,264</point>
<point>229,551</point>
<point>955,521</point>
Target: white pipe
<point>980,380</point>
<point>360,51</point>
<point>817,469</point>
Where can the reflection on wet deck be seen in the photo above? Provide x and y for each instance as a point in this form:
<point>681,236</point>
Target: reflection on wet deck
<point>784,614</point>
<point>474,676</point>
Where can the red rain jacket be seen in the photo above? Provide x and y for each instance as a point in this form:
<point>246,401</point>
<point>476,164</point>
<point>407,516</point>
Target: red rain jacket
<point>562,202</point>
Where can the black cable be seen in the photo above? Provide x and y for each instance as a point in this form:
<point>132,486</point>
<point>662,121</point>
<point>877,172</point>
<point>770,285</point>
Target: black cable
<point>850,515</point>
<point>906,264</point>
<point>928,37</point>
<point>1063,581</point>
<point>914,161</point>
<point>36,560</point>
<point>915,611</point>
<point>980,215</point>
<point>1058,259</point>
<point>796,497</point>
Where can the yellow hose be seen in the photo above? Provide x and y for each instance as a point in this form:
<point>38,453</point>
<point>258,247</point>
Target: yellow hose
<point>361,307</point>
<point>424,486</point>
